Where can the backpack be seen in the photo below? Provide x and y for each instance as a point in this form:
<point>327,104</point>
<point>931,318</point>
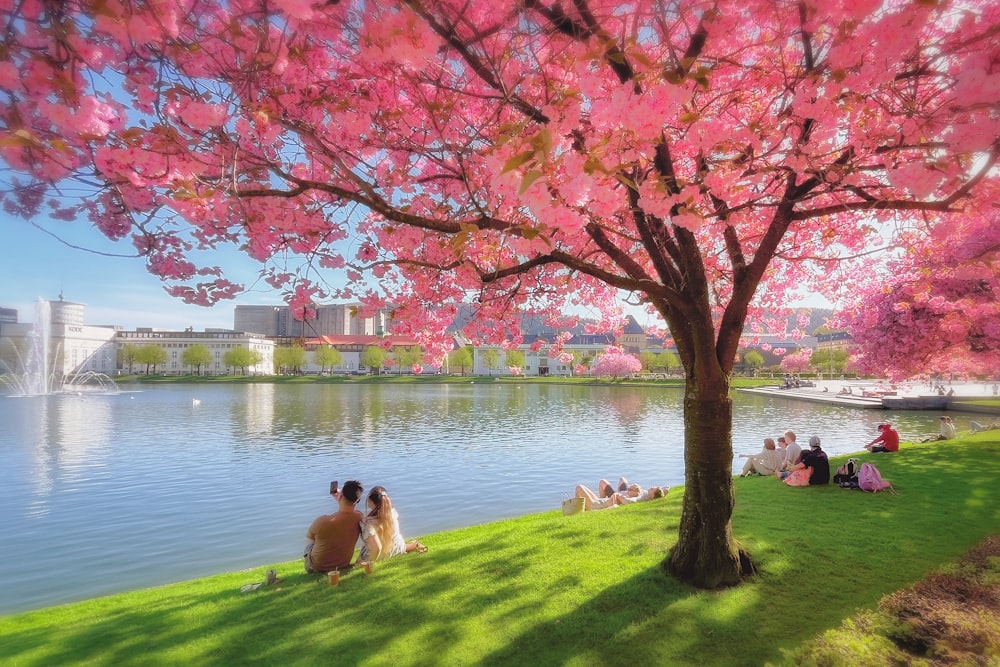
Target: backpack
<point>847,472</point>
<point>870,479</point>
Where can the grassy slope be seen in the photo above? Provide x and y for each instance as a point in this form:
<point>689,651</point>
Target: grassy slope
<point>548,589</point>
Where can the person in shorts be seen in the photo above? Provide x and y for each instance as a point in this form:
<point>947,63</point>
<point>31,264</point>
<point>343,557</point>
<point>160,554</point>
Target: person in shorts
<point>331,538</point>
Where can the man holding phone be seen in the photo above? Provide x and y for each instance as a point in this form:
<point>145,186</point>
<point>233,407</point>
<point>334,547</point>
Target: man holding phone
<point>332,537</point>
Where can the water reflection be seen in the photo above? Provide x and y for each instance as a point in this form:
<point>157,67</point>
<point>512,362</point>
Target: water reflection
<point>210,478</point>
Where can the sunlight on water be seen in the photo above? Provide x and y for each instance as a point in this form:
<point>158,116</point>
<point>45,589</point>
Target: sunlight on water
<point>174,482</point>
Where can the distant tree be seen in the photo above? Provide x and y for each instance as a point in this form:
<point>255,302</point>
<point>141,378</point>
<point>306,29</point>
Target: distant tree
<point>616,363</point>
<point>461,359</point>
<point>196,356</point>
<point>668,360</point>
<point>152,356</point>
<point>241,358</point>
<point>407,356</point>
<point>327,357</point>
<point>832,361</point>
<point>256,359</point>
<point>938,308</point>
<point>280,353</point>
<point>649,360</point>
<point>516,360</point>
<point>797,362</point>
<point>373,357</point>
<point>491,359</point>
<point>582,361</point>
<point>753,360</point>
<point>128,356</point>
<point>290,359</point>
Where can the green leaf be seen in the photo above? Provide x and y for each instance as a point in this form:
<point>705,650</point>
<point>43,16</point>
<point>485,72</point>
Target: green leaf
<point>517,161</point>
<point>529,178</point>
<point>626,181</point>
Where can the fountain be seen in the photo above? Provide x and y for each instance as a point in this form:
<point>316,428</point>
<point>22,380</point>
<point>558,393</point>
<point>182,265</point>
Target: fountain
<point>33,374</point>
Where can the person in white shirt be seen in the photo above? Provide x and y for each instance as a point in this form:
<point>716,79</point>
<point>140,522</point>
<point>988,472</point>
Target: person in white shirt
<point>948,430</point>
<point>793,452</point>
<point>766,462</point>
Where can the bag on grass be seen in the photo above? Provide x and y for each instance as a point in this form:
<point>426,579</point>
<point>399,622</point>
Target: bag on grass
<point>572,505</point>
<point>847,472</point>
<point>799,477</point>
<point>870,479</point>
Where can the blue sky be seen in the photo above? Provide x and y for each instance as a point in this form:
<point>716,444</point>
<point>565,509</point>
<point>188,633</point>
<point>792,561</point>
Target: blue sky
<point>115,290</point>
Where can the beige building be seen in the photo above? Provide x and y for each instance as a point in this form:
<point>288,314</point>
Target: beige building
<point>330,320</point>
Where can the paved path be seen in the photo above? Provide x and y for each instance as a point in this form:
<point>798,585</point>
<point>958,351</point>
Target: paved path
<point>879,394</point>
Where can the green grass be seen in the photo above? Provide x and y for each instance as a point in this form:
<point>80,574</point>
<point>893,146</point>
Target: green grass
<point>988,402</point>
<point>552,590</point>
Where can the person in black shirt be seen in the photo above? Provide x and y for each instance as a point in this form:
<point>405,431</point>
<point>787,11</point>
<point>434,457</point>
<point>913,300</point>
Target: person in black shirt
<point>816,459</point>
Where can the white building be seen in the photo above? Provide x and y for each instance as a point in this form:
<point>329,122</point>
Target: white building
<point>174,343</point>
<point>73,347</point>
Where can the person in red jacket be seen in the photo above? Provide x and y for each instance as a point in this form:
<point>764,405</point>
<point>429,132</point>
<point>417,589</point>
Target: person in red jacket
<point>889,438</point>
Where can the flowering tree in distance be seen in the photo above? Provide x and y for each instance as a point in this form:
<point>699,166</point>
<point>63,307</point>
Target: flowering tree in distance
<point>939,312</point>
<point>700,155</point>
<point>797,362</point>
<point>616,363</point>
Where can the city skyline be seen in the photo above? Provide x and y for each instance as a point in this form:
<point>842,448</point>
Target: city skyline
<point>75,261</point>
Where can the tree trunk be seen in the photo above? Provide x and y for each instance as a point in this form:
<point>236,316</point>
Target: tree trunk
<point>706,555</point>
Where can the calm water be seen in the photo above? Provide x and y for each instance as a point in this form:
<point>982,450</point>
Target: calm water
<point>175,482</point>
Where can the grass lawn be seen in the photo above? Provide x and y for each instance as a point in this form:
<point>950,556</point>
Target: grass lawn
<point>552,590</point>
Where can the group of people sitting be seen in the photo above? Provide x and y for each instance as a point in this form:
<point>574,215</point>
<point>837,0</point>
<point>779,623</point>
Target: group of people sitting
<point>608,496</point>
<point>796,466</point>
<point>332,538</point>
<point>787,461</point>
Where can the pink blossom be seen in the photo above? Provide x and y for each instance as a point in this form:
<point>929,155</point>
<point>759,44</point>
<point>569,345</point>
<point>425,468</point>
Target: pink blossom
<point>203,116</point>
<point>616,363</point>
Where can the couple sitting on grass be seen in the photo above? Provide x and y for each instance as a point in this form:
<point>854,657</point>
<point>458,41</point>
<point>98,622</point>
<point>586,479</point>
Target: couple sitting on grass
<point>331,538</point>
<point>607,496</point>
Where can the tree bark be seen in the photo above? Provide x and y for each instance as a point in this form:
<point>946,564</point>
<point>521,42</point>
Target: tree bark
<point>706,555</point>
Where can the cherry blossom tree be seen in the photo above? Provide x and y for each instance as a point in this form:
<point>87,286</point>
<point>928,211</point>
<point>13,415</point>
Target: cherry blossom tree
<point>797,362</point>
<point>615,363</point>
<point>939,311</point>
<point>702,156</point>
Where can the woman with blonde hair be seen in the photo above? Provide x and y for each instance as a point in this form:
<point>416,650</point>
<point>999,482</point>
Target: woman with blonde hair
<point>380,530</point>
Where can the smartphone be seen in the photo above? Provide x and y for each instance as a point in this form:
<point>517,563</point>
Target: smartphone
<point>334,487</point>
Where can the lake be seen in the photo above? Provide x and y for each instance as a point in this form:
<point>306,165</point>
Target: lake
<point>173,482</point>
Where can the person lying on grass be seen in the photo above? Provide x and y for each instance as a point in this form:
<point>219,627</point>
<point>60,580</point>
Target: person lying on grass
<point>380,530</point>
<point>633,493</point>
<point>630,493</point>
